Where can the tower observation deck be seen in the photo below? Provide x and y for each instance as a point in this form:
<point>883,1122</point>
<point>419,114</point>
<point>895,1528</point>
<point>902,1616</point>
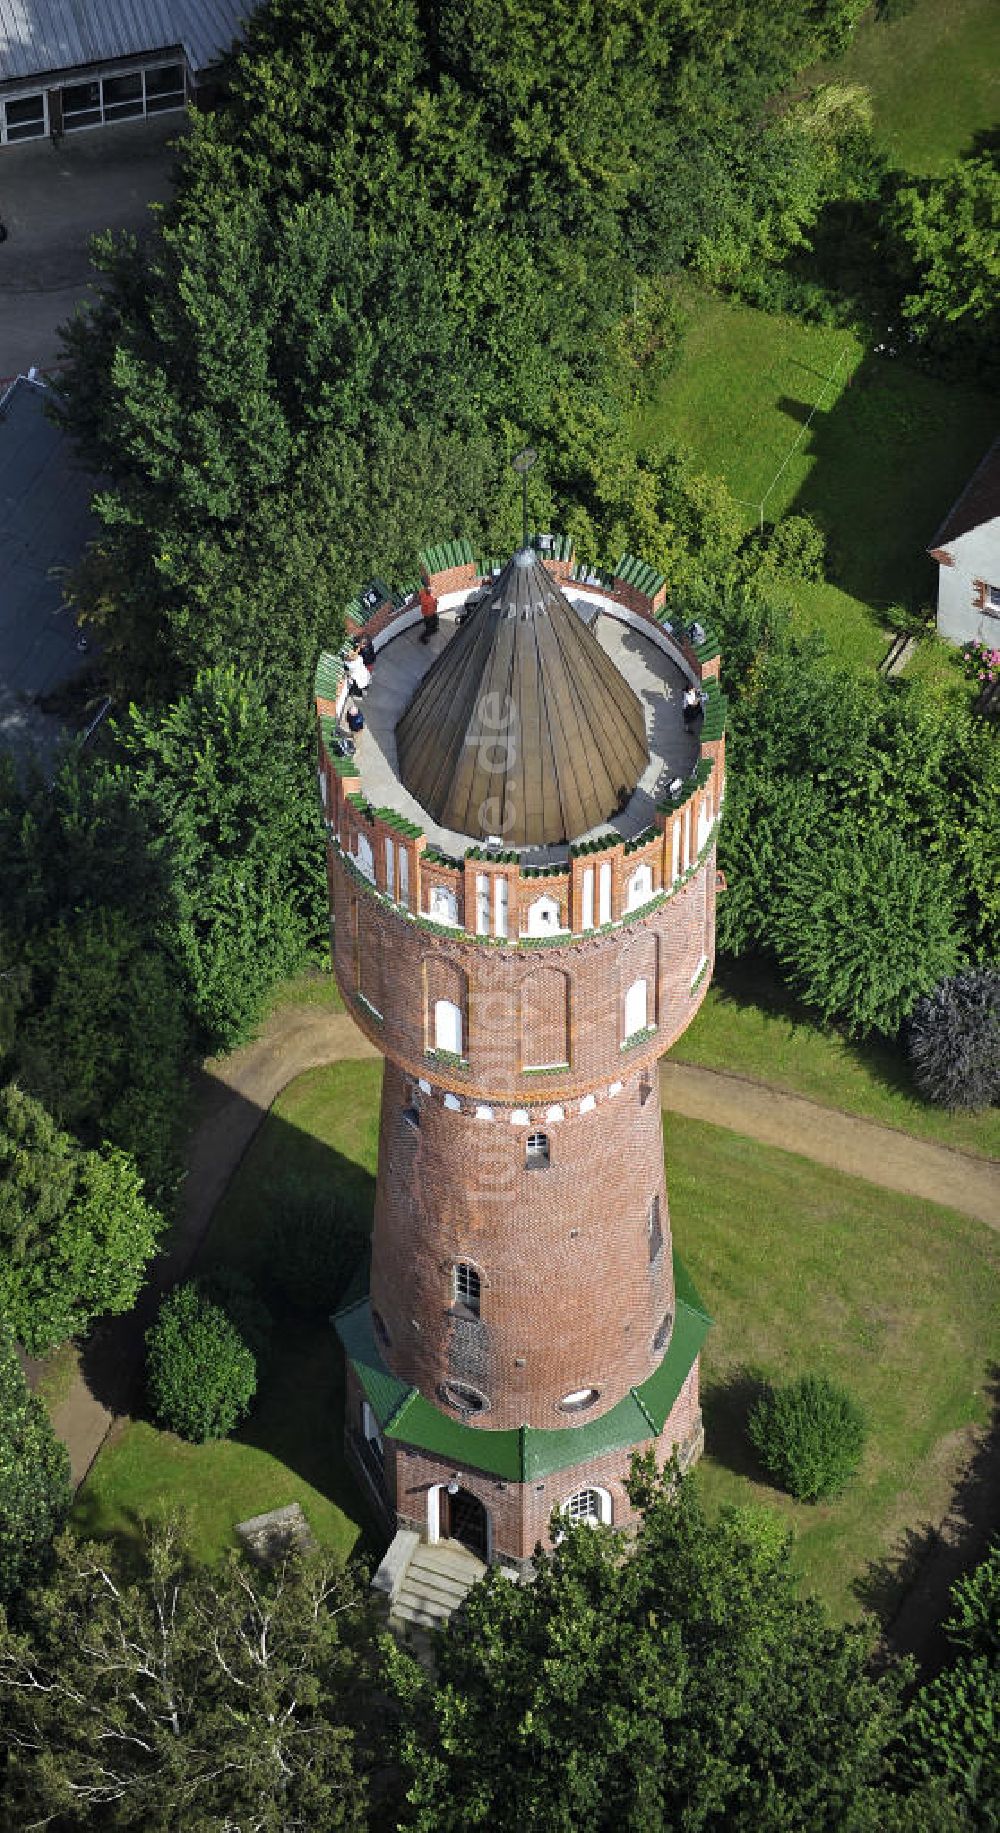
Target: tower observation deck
<point>521,861</point>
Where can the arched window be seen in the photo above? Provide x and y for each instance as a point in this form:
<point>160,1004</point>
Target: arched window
<point>543,916</point>
<point>448,1026</point>
<point>640,886</point>
<point>364,857</point>
<point>635,1008</point>
<point>536,1151</point>
<point>443,905</point>
<point>591,1505</point>
<point>466,1288</point>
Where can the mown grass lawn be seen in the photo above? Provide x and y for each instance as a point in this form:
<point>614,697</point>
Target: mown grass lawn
<point>751,1026</point>
<point>324,1126</point>
<point>803,1269</point>
<point>884,458</point>
<point>934,78</point>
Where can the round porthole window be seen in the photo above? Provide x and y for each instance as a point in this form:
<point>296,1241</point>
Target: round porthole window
<point>579,1400</point>
<point>463,1398</point>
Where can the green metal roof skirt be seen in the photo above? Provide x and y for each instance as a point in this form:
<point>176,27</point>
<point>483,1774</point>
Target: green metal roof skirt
<point>521,1454</point>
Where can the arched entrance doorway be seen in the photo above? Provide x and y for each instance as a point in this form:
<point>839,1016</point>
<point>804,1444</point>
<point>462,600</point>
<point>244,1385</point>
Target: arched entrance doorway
<point>463,1517</point>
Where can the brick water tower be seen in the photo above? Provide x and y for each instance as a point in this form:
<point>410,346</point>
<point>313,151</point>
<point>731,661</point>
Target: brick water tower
<point>521,857</point>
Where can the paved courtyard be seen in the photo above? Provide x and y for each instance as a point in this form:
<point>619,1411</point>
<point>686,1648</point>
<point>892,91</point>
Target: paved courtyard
<point>52,200</point>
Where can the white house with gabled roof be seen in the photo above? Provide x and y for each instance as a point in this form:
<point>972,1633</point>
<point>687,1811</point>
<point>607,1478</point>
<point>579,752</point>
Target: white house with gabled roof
<point>967,550</point>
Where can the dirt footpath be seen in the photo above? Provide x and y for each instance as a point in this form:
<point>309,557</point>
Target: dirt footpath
<point>878,1154</point>
<point>236,1092</point>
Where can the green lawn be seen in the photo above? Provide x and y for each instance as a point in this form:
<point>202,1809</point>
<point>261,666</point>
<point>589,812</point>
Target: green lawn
<point>315,986</point>
<point>323,1126</point>
<point>800,1266</point>
<point>934,78</point>
<point>805,1269</point>
<point>750,1025</point>
<point>883,459</point>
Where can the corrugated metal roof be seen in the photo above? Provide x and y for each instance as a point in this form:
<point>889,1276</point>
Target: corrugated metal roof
<point>49,35</point>
<point>573,741</point>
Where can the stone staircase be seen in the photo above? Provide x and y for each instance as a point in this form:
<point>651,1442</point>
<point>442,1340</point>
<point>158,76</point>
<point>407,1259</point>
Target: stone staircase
<point>424,1585</point>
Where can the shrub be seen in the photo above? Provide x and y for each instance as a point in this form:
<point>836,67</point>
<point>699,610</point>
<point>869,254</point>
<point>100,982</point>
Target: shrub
<point>202,1375</point>
<point>954,1040</point>
<point>236,1295</point>
<point>315,1242</point>
<point>794,548</point>
<point>809,1436</point>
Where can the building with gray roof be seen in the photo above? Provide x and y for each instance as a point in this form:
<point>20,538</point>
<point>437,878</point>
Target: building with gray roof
<point>67,65</point>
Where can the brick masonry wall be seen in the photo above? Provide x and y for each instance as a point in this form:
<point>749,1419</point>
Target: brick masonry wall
<point>570,1296</point>
<point>417,966</point>
<point>520,1513</point>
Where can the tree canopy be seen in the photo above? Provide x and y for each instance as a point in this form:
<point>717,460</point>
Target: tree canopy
<point>675,1682</point>
<point>175,1697</point>
<point>76,1231</point>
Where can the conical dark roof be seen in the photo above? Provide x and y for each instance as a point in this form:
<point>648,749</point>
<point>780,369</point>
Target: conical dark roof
<point>523,727</point>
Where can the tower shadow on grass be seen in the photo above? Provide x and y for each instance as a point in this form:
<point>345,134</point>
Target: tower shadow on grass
<point>908,1590</point>
<point>298,1414</point>
<point>726,1406</point>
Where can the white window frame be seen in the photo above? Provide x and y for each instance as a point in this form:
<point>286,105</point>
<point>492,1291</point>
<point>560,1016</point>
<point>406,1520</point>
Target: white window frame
<point>364,858</point>
<point>467,1288</point>
<point>145,112</point>
<point>543,916</point>
<point>448,1027</point>
<point>482,903</point>
<point>369,1428</point>
<point>26,95</point>
<point>442,905</point>
<point>404,876</point>
<point>501,899</point>
<point>636,1008</point>
<point>604,893</point>
<point>390,868</point>
<point>587,887</point>
<point>537,1151</point>
<point>572,1506</point>
<point>640,886</point>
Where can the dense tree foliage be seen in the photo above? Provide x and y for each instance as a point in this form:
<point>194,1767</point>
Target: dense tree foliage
<point>860,838</point>
<point>676,1682</point>
<point>186,1698</point>
<point>232,815</point>
<point>95,1027</point>
<point>76,1230</point>
<point>950,1730</point>
<point>404,242</point>
<point>34,1480</point>
<point>948,231</point>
